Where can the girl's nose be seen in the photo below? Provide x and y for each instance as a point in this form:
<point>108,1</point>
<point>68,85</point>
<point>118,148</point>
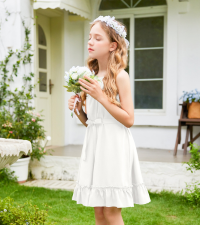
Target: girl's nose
<point>90,42</point>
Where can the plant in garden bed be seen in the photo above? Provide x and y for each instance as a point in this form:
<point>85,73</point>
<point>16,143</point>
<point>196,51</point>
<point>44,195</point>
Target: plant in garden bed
<point>7,177</point>
<point>192,192</point>
<point>40,151</point>
<point>27,127</point>
<point>26,213</point>
<point>18,119</point>
<point>194,162</point>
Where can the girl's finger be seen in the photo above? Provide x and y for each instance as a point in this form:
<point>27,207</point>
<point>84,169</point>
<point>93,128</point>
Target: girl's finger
<point>83,89</point>
<point>85,85</point>
<point>91,80</point>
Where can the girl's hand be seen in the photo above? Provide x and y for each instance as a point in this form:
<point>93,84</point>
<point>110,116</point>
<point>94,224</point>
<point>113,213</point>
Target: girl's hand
<point>93,88</point>
<point>71,103</point>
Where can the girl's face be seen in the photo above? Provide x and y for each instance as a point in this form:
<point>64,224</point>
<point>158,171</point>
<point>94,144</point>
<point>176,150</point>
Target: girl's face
<point>98,42</point>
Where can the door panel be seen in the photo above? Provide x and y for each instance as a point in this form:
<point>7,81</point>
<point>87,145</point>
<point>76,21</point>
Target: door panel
<point>43,70</point>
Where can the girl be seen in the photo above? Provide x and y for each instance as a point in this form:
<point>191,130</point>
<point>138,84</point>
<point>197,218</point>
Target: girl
<point>109,176</point>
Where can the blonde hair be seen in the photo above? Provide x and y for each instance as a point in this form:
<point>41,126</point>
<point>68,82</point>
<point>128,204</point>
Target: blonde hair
<point>117,61</point>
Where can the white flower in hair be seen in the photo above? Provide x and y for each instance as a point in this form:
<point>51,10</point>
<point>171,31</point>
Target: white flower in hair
<point>120,29</point>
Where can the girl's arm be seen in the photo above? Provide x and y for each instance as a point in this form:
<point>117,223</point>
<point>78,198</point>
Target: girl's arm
<point>125,114</point>
<point>83,116</point>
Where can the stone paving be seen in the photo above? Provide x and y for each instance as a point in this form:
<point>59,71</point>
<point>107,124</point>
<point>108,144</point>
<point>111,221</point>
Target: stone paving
<point>70,185</point>
<point>52,184</point>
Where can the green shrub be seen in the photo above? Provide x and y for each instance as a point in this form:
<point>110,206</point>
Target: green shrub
<point>26,213</point>
<point>192,194</point>
<point>7,176</point>
<point>194,162</point>
<point>192,191</point>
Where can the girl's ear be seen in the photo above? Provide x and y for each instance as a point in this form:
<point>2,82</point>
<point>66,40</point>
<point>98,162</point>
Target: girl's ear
<point>113,46</point>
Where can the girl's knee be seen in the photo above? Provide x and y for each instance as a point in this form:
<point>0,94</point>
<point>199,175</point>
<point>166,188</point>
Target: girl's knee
<point>98,211</point>
<point>110,212</point>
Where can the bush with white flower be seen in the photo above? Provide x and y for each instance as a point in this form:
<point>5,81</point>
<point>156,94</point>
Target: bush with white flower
<point>26,213</point>
<point>72,78</point>
<point>39,150</point>
<point>192,96</point>
<point>27,126</point>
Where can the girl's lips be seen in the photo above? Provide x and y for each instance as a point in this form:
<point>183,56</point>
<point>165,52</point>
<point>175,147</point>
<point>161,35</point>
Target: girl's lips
<point>89,49</point>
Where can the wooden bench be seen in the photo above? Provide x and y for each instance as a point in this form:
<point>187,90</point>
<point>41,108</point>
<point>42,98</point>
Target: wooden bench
<point>185,121</point>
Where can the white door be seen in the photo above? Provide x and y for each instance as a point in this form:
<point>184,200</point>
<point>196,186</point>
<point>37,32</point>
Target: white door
<point>43,74</point>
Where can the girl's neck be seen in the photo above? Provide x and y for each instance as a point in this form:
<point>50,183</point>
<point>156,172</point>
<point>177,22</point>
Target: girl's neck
<point>100,75</point>
<point>102,63</point>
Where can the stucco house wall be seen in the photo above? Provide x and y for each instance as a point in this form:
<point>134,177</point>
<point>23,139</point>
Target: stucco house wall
<point>181,70</point>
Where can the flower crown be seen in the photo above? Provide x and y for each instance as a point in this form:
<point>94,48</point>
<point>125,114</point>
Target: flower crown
<point>120,29</point>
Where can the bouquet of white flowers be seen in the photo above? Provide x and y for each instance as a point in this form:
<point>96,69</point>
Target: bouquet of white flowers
<point>72,78</point>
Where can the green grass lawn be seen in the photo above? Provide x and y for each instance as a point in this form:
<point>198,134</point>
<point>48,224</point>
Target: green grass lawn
<point>165,208</point>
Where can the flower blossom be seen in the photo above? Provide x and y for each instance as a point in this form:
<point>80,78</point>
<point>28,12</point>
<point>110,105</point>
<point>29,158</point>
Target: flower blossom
<point>48,138</point>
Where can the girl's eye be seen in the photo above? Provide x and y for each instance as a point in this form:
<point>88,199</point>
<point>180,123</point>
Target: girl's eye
<point>96,39</point>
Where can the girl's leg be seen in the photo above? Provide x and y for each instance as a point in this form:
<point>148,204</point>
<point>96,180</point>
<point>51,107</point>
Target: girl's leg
<point>113,216</point>
<point>99,216</point>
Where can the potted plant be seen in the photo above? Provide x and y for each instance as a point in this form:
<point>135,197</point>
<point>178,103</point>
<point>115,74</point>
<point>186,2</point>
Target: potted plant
<point>25,126</point>
<point>21,166</point>
<point>192,99</point>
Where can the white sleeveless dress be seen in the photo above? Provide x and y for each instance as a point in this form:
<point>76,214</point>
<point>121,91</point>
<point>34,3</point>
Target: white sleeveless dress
<point>109,170</point>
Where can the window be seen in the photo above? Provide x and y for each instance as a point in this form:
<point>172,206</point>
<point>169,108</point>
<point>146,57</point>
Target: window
<point>147,34</point>
<point>42,58</point>
<point>41,36</point>
<point>148,79</point>
<point>124,4</point>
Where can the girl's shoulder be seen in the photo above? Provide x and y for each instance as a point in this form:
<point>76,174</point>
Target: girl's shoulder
<point>121,76</point>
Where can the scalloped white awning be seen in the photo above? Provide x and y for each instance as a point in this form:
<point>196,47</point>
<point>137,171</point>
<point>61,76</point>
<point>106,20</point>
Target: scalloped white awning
<point>79,7</point>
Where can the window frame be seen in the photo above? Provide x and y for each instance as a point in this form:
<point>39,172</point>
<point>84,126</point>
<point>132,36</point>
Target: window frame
<point>141,12</point>
<point>130,7</point>
<point>160,111</point>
